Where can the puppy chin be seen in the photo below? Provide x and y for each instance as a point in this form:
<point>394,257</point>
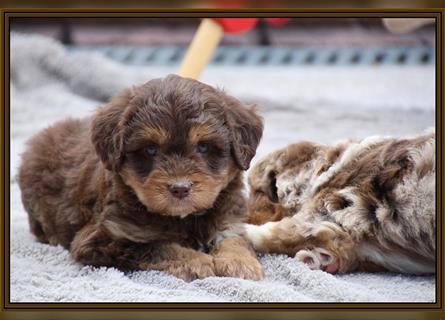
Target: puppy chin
<point>170,206</point>
<point>181,208</point>
<point>180,212</point>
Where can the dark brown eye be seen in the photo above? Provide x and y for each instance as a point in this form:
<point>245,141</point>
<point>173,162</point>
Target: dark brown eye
<point>152,150</point>
<point>202,147</point>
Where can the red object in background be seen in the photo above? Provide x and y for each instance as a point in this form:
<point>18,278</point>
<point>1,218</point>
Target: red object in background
<point>277,22</point>
<point>236,25</point>
<point>240,25</point>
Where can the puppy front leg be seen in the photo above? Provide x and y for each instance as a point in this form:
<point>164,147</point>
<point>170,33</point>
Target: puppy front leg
<point>275,237</point>
<point>184,263</point>
<point>320,245</point>
<point>234,257</point>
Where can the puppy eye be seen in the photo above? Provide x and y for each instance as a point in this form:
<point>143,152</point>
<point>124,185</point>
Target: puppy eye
<point>152,150</point>
<point>202,147</point>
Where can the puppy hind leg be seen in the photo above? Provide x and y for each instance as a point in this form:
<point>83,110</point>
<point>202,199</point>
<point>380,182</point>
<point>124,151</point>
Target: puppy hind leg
<point>37,229</point>
<point>94,246</point>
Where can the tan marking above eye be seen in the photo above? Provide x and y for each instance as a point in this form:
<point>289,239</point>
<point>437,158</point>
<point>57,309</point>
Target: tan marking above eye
<point>199,132</point>
<point>158,135</point>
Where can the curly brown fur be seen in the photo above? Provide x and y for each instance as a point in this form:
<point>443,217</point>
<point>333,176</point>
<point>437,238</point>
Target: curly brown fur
<point>149,180</point>
<point>358,205</point>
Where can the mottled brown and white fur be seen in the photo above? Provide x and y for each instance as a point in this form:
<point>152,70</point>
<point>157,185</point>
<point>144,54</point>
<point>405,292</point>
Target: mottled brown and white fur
<point>358,205</point>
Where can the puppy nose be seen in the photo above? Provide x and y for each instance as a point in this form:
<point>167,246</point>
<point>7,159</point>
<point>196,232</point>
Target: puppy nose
<point>180,189</point>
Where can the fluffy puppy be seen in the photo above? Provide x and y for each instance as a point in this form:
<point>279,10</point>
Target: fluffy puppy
<point>358,205</point>
<point>151,181</point>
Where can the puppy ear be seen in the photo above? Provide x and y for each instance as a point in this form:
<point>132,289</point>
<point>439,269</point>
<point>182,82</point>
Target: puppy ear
<point>262,177</point>
<point>106,134</point>
<point>247,128</point>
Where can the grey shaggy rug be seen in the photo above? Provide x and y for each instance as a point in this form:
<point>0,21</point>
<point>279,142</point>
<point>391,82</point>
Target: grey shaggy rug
<point>314,103</point>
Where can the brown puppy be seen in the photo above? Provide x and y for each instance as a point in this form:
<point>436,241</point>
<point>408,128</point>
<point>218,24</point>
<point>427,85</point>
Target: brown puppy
<point>367,205</point>
<point>151,181</point>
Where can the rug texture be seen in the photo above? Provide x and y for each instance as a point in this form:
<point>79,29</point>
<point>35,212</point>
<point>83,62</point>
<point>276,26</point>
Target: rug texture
<point>322,104</point>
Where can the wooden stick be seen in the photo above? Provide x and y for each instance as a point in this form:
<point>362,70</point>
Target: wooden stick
<point>404,25</point>
<point>201,49</point>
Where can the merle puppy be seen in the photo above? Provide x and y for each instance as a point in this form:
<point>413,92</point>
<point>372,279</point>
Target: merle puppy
<point>151,181</point>
<point>366,205</point>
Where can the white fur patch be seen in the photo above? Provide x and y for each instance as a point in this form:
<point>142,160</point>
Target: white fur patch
<point>234,231</point>
<point>350,153</point>
<point>257,234</point>
<point>395,261</point>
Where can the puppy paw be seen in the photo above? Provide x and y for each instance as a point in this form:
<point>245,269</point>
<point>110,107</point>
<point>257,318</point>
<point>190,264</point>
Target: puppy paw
<point>319,259</point>
<point>197,268</point>
<point>239,267</point>
<point>194,269</point>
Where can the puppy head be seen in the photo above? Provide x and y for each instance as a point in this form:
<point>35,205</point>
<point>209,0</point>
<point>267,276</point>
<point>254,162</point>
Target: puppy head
<point>278,180</point>
<point>176,142</point>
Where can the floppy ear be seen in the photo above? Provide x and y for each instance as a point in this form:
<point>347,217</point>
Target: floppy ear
<point>106,133</point>
<point>246,127</point>
<point>262,177</point>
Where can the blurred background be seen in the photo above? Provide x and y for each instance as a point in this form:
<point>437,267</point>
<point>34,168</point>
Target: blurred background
<point>297,41</point>
<point>319,79</point>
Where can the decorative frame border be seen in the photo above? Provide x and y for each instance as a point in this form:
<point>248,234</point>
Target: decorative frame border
<point>215,310</point>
